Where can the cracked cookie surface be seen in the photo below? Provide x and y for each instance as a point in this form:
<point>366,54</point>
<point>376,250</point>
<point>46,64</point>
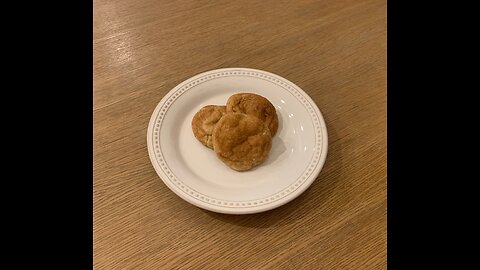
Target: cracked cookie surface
<point>255,105</point>
<point>204,121</point>
<point>241,141</point>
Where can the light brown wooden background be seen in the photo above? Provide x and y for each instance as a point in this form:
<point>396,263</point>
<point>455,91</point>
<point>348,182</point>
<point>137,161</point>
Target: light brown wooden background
<point>335,50</point>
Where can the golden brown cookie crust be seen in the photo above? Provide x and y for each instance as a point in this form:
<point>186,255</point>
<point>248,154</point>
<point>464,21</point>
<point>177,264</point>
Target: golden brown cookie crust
<point>204,121</point>
<point>241,141</point>
<point>255,105</point>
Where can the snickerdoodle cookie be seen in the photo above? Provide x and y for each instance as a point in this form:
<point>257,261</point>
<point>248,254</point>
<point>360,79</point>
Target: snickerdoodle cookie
<point>204,121</point>
<point>241,141</point>
<point>254,105</point>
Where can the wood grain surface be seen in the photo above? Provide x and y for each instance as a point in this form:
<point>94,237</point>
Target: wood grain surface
<point>334,50</point>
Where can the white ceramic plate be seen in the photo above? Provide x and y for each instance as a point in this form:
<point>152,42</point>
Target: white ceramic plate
<point>194,173</point>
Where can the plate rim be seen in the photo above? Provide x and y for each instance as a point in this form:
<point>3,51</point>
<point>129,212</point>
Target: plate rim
<point>229,208</point>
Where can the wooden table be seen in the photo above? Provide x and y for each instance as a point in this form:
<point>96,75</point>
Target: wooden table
<point>334,50</point>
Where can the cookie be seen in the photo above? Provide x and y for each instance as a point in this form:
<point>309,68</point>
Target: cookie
<point>241,141</point>
<point>254,105</point>
<point>204,121</point>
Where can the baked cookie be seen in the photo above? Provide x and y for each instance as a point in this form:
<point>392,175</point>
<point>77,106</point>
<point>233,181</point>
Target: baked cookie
<point>254,105</point>
<point>241,141</point>
<point>204,121</point>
